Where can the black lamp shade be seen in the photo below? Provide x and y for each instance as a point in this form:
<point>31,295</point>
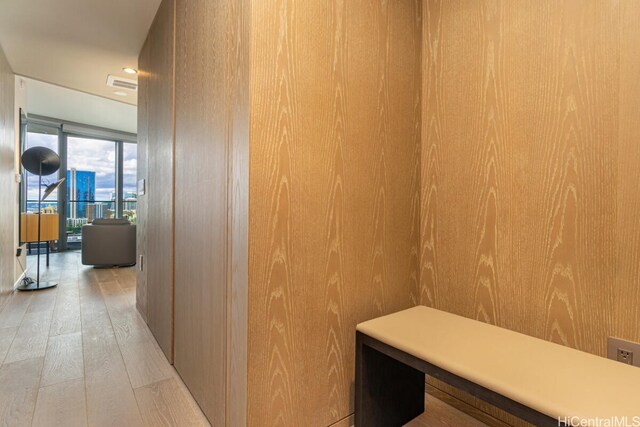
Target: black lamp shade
<point>51,188</point>
<point>36,156</point>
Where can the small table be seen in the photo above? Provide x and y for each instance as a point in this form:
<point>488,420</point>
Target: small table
<point>49,229</point>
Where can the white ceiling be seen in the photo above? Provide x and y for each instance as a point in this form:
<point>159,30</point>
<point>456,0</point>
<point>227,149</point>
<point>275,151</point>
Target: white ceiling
<point>44,99</point>
<point>75,43</point>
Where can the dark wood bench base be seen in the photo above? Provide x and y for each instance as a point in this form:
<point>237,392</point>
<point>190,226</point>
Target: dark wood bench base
<point>390,387</point>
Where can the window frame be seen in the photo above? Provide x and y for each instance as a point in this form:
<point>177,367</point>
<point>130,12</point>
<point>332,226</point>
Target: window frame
<point>64,130</point>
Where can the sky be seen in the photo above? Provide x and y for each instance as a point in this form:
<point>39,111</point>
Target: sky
<point>89,155</point>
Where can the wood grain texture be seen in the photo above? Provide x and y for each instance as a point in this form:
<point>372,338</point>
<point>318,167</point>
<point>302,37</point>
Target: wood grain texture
<point>114,347</point>
<point>210,202</point>
<point>527,190</point>
<point>209,42</point>
<point>43,301</point>
<point>334,190</point>
<point>61,404</point>
<point>63,360</point>
<point>157,69</point>
<point>627,284</point>
<point>110,398</point>
<point>31,338</point>
<point>49,227</point>
<point>66,314</point>
<point>238,62</point>
<point>6,338</point>
<point>19,390</point>
<point>492,189</point>
<point>12,314</point>
<point>145,364</point>
<point>142,153</point>
<point>165,404</point>
<point>8,207</point>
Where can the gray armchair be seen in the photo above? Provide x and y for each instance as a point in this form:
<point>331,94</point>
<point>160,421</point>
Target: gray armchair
<point>109,243</point>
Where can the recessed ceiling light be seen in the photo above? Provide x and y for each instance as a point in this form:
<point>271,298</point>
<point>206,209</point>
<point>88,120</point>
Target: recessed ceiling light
<point>130,70</point>
<point>120,93</point>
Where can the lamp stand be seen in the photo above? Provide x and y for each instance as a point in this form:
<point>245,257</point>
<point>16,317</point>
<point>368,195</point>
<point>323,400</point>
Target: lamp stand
<point>37,285</point>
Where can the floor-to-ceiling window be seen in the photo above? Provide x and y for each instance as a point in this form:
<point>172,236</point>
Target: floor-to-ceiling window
<point>100,170</point>
<point>40,136</point>
<point>129,180</point>
<point>91,184</point>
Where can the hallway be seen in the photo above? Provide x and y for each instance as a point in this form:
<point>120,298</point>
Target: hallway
<point>81,354</point>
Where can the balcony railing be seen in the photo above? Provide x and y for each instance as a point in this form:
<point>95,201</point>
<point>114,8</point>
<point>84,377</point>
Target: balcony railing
<point>81,212</point>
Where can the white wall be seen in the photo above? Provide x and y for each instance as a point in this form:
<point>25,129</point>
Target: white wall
<point>20,103</point>
<point>8,210</point>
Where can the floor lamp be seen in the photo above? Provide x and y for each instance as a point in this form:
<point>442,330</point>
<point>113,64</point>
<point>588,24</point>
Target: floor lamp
<point>41,161</point>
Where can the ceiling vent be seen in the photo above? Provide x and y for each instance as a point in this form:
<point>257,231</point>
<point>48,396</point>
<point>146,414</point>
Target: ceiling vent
<point>122,83</point>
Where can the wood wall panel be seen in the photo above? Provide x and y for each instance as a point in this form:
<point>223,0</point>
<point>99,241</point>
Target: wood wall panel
<point>200,203</point>
<point>158,74</point>
<point>458,154</point>
<point>529,172</point>
<point>334,190</point>
<point>142,205</point>
<point>626,317</point>
<point>194,143</point>
<point>238,65</point>
<point>211,190</point>
<point>8,207</point>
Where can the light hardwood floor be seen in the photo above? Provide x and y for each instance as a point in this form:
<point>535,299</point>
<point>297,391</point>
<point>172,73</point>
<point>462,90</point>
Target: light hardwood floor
<point>80,354</point>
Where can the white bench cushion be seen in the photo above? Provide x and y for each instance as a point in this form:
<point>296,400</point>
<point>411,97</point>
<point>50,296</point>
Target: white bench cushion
<point>555,380</point>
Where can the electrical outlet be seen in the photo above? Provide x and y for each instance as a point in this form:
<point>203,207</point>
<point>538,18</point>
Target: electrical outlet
<point>622,351</point>
<point>625,356</point>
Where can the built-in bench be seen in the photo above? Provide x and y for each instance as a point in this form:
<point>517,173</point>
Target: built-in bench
<point>536,380</point>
